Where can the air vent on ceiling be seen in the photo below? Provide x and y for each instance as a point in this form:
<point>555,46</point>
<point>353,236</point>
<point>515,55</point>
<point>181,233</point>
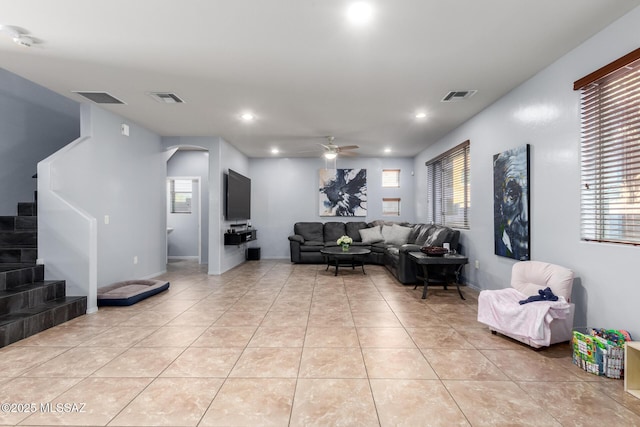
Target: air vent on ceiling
<point>166,97</point>
<point>458,95</point>
<point>100,97</point>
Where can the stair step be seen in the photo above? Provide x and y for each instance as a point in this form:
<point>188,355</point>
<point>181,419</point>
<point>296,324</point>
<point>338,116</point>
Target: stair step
<point>18,239</point>
<point>31,295</point>
<point>18,223</point>
<point>18,255</point>
<point>27,209</point>
<point>15,275</point>
<point>24,323</point>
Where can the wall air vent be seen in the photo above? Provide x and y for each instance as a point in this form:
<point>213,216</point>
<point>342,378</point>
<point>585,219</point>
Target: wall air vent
<point>166,97</point>
<point>99,97</point>
<point>458,95</point>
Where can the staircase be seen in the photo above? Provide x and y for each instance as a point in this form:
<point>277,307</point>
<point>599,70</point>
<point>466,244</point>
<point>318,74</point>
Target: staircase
<point>28,303</point>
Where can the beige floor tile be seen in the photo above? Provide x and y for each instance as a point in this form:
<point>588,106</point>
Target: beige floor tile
<point>268,362</point>
<point>120,336</point>
<point>140,362</point>
<point>252,402</point>
<point>170,402</point>
<point>196,317</point>
<point>62,336</point>
<point>376,319</point>
<point>240,318</point>
<point>369,306</point>
<point>482,339</point>
<point>500,403</point>
<point>333,402</point>
<point>528,365</point>
<point>423,318</point>
<point>77,362</point>
<point>579,403</point>
<point>401,363</point>
<point>172,336</point>
<point>32,392</point>
<point>332,363</point>
<point>414,403</point>
<point>438,337</point>
<point>93,401</point>
<point>455,364</point>
<point>286,318</point>
<point>204,362</point>
<point>225,336</point>
<point>278,336</point>
<point>15,360</point>
<point>385,338</point>
<point>331,337</point>
<point>327,318</point>
<point>150,318</point>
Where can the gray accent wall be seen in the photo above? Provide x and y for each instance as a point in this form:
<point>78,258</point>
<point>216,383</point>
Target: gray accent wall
<point>34,122</point>
<point>545,113</point>
<point>286,191</point>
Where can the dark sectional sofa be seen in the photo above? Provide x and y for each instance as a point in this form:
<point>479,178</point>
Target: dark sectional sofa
<point>390,242</point>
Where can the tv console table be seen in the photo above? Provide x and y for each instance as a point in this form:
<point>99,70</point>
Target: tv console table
<point>240,237</point>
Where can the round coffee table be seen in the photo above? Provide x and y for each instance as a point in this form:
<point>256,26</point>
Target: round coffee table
<point>336,255</point>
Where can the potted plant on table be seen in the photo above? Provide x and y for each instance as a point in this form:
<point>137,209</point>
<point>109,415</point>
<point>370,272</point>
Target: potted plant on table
<point>345,242</point>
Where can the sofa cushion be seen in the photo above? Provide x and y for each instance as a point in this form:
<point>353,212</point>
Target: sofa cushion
<point>353,230</point>
<point>438,236</point>
<point>419,234</point>
<point>395,234</point>
<point>371,235</point>
<point>333,231</point>
<point>309,231</point>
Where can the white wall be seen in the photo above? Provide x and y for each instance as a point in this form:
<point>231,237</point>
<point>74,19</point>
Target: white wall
<point>34,123</point>
<point>285,191</point>
<point>544,112</point>
<point>121,177</point>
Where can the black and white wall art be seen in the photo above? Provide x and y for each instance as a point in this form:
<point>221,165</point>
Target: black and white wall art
<point>511,203</point>
<point>343,192</point>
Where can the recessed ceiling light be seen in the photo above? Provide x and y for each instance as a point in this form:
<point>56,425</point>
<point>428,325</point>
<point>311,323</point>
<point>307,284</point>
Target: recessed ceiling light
<point>247,117</point>
<point>274,151</point>
<point>360,12</point>
<point>421,115</point>
<point>387,150</point>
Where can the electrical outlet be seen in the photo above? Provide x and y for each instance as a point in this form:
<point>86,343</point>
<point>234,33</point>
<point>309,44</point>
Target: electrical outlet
<point>106,219</point>
<point>477,263</point>
<point>135,259</point>
<point>125,129</point>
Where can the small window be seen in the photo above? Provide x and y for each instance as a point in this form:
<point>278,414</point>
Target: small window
<point>180,190</point>
<point>391,178</point>
<point>391,207</point>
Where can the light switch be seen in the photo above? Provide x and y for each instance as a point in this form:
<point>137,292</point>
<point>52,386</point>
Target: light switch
<point>106,219</point>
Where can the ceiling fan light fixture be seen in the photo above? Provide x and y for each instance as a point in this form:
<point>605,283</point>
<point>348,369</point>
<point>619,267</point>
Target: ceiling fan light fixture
<point>330,155</point>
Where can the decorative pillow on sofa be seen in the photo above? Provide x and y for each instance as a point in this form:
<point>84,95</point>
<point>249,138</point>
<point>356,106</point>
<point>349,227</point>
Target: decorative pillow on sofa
<point>438,237</point>
<point>395,234</point>
<point>371,235</point>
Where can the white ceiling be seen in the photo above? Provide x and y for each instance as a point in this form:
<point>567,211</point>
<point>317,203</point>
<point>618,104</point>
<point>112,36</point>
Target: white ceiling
<point>298,65</point>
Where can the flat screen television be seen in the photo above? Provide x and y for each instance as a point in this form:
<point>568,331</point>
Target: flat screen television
<point>238,200</point>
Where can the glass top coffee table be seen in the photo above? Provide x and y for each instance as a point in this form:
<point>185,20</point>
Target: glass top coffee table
<point>336,256</point>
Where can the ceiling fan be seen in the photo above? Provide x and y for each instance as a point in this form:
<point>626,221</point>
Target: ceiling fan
<point>332,150</point>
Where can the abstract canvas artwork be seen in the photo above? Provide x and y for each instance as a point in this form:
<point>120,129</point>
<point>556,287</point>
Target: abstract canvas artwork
<point>343,192</point>
<point>511,203</point>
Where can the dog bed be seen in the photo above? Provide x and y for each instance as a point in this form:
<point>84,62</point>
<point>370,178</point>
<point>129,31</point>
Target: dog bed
<point>130,291</point>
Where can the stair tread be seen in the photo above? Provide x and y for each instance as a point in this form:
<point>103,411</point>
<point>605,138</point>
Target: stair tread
<point>45,306</point>
<point>28,287</point>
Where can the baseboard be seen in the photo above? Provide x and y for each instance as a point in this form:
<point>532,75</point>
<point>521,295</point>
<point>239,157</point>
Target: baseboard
<point>184,257</point>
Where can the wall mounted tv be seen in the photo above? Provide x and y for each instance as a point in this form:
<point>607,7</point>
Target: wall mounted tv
<point>238,200</point>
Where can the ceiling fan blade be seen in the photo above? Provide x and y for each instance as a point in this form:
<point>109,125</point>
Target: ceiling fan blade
<point>348,147</point>
<point>347,153</point>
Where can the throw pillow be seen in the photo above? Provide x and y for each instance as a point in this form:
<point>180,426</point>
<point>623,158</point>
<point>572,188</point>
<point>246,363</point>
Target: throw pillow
<point>371,235</point>
<point>395,234</point>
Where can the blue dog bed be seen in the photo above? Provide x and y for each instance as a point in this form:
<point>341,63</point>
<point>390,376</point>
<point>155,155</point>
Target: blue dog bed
<point>130,292</point>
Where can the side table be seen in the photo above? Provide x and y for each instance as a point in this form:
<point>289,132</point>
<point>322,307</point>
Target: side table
<point>452,262</point>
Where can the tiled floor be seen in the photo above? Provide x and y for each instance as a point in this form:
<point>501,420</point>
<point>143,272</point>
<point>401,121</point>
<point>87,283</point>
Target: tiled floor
<point>270,343</point>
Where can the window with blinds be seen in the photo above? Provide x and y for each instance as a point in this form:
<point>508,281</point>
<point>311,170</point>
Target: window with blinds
<point>181,193</point>
<point>448,188</point>
<point>610,152</point>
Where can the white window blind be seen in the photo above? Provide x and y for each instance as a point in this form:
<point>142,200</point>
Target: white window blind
<point>391,178</point>
<point>181,190</point>
<point>448,187</point>
<point>391,206</point>
<point>610,152</point>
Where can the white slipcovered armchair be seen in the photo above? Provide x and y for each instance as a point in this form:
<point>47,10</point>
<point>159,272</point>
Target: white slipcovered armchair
<point>539,323</point>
